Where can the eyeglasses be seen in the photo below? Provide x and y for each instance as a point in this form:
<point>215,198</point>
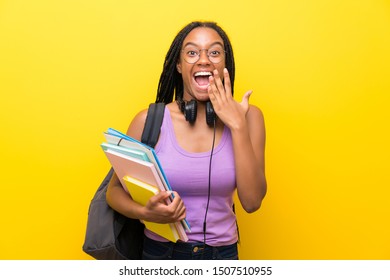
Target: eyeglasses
<point>192,55</point>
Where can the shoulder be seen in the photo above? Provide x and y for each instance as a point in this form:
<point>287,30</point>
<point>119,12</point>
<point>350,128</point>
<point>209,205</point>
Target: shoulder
<point>255,115</point>
<point>137,125</point>
<point>256,125</point>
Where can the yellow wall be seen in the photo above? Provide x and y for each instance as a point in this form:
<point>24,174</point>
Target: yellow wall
<point>319,70</point>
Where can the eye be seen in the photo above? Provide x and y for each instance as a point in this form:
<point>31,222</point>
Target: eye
<point>192,53</point>
<point>215,53</point>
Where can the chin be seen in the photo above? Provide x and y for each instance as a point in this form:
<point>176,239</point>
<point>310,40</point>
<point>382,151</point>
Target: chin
<point>201,95</point>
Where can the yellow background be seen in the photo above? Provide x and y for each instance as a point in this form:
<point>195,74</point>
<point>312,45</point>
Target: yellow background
<point>319,70</point>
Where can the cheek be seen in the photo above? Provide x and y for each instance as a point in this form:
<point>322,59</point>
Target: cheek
<point>220,71</point>
<point>185,72</point>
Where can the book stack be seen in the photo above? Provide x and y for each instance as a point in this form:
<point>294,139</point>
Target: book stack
<point>141,175</point>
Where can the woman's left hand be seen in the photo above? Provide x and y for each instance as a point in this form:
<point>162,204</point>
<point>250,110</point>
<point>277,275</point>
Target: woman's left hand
<point>231,113</point>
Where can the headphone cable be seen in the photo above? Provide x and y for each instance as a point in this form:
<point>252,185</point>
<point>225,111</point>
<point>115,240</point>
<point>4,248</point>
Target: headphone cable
<point>209,188</point>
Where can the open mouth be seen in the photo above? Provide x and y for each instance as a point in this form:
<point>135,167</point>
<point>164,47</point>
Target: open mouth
<point>202,78</point>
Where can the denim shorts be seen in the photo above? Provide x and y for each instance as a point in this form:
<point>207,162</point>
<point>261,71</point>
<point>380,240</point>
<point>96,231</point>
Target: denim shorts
<point>155,250</point>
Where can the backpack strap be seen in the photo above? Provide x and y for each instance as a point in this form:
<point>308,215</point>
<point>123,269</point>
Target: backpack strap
<point>153,123</point>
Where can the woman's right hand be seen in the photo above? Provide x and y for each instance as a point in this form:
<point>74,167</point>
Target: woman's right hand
<point>156,210</point>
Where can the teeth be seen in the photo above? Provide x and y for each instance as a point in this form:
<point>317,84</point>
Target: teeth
<point>202,74</point>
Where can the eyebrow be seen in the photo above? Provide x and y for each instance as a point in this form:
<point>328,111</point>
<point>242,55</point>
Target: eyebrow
<point>195,45</point>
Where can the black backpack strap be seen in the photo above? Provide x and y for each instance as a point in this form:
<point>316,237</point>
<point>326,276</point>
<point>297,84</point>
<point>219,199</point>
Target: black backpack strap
<point>153,123</point>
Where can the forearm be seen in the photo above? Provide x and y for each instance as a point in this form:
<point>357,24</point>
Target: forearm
<point>155,210</point>
<point>121,201</point>
<point>249,164</point>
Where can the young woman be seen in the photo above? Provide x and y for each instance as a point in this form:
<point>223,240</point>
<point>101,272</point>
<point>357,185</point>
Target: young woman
<point>206,155</point>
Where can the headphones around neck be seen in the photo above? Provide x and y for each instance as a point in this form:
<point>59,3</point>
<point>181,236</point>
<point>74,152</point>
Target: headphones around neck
<point>190,109</point>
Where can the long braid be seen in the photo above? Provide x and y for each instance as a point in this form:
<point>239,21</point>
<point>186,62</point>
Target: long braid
<point>171,83</point>
<point>167,84</point>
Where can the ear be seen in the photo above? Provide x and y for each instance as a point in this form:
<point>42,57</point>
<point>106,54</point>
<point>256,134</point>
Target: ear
<point>178,67</point>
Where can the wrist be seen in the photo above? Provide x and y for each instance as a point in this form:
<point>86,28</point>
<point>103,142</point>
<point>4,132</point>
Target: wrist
<point>238,127</point>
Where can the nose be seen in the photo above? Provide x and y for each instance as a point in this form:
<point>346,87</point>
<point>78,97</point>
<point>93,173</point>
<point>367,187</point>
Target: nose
<point>203,57</point>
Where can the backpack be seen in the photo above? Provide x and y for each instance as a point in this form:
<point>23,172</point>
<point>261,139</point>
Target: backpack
<point>109,234</point>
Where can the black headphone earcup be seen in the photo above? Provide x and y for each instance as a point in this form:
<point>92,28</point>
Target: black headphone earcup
<point>190,111</point>
<point>210,114</point>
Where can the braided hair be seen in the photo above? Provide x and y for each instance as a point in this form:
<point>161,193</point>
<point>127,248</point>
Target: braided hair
<point>170,84</point>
